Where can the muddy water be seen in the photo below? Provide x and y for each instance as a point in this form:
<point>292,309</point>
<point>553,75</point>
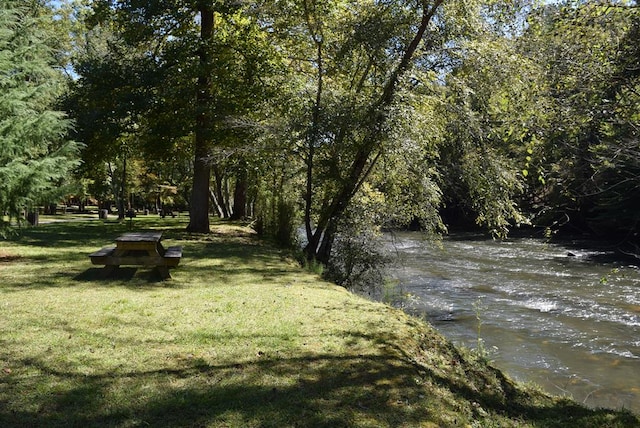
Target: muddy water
<point>562,316</point>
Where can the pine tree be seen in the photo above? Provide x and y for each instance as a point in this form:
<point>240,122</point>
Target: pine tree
<point>35,157</point>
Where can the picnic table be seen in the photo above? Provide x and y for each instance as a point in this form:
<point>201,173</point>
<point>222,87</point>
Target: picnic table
<point>138,249</point>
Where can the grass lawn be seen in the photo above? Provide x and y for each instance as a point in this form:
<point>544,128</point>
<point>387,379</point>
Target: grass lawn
<point>241,336</point>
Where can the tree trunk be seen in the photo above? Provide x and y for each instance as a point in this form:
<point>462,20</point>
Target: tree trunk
<point>199,206</point>
<point>220,193</point>
<point>240,193</point>
<point>319,248</point>
<point>214,202</point>
<point>123,190</point>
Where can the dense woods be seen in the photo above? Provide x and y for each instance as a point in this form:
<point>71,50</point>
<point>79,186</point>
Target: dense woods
<point>338,118</point>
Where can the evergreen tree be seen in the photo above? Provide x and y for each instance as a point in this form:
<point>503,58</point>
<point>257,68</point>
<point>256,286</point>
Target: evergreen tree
<point>34,155</point>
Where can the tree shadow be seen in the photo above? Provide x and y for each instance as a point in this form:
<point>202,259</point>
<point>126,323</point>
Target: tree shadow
<point>90,233</point>
<point>313,390</point>
<point>330,391</point>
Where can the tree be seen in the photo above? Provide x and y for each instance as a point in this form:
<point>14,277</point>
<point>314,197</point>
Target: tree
<point>587,133</point>
<point>35,157</point>
<point>107,102</point>
<point>357,59</point>
<point>550,110</point>
<point>486,102</point>
<point>199,203</point>
<point>356,116</point>
<point>196,69</point>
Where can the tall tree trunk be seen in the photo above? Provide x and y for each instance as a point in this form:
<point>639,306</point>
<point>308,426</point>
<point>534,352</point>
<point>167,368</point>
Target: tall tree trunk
<point>123,189</point>
<point>312,139</point>
<point>240,193</point>
<point>199,206</point>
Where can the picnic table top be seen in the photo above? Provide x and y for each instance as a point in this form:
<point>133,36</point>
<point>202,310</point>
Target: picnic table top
<point>140,237</point>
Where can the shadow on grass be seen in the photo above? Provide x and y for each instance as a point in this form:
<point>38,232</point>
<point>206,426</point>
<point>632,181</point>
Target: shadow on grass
<point>308,391</point>
<point>99,274</point>
<point>126,276</point>
<point>63,235</point>
<point>321,397</point>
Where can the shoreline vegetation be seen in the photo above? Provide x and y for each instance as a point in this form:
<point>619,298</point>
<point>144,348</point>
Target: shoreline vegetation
<point>241,336</point>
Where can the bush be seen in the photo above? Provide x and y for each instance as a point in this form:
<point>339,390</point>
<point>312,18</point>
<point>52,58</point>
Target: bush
<point>358,263</point>
<point>278,220</point>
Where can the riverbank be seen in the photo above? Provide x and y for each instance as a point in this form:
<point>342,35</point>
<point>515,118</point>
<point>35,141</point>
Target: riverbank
<point>241,336</point>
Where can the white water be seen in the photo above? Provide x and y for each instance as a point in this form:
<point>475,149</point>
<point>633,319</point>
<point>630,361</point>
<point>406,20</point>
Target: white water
<point>564,317</point>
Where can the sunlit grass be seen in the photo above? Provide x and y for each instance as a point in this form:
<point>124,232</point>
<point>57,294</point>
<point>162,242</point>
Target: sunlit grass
<point>240,336</point>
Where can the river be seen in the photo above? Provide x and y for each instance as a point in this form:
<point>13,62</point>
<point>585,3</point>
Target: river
<point>562,316</point>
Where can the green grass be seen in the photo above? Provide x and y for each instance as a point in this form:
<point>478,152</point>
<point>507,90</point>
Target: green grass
<point>241,336</point>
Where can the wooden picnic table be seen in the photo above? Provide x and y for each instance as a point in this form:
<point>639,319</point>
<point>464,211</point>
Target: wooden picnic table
<point>138,249</point>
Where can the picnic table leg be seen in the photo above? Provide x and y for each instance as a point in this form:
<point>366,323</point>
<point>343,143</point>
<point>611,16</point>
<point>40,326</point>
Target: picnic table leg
<point>164,272</point>
<point>108,270</point>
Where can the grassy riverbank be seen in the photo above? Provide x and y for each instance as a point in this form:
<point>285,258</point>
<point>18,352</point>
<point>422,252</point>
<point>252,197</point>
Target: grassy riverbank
<point>240,337</point>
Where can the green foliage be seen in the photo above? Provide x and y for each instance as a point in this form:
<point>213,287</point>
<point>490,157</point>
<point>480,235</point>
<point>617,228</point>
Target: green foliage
<point>337,105</point>
<point>276,212</point>
<point>584,132</point>
<point>35,157</point>
<point>480,176</point>
<point>406,177</point>
<point>354,62</point>
<point>481,351</point>
<point>313,266</point>
<point>546,118</point>
<point>358,261</point>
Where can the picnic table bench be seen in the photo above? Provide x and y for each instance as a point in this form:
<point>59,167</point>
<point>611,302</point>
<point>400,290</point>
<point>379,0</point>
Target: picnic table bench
<point>138,249</point>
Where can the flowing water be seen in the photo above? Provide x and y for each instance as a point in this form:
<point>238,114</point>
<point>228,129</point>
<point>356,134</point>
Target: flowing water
<point>564,317</point>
